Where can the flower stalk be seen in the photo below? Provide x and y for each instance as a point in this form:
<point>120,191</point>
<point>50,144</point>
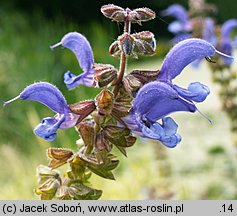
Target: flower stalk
<point>138,105</point>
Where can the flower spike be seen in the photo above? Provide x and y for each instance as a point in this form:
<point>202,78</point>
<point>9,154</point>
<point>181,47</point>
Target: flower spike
<point>79,45</point>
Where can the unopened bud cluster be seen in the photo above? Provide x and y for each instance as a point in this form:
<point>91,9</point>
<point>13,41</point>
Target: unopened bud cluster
<point>142,43</point>
<point>120,14</point>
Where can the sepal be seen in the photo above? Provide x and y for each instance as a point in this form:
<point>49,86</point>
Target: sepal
<point>104,74</point>
<point>113,12</point>
<point>104,102</point>
<point>82,109</point>
<point>87,132</point>
<point>58,156</point>
<point>79,191</point>
<point>120,14</point>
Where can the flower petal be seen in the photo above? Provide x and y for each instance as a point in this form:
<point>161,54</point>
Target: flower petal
<point>72,80</point>
<point>171,138</point>
<point>177,11</point>
<point>183,54</point>
<point>79,45</point>
<point>170,127</point>
<point>69,121</point>
<point>228,27</point>
<point>46,94</point>
<point>47,128</point>
<point>196,92</point>
<point>166,132</point>
<point>131,122</point>
<point>158,99</point>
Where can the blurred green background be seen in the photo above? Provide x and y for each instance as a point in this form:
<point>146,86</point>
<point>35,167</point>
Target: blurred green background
<point>203,166</point>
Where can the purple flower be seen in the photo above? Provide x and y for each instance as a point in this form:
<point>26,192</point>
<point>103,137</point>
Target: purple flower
<point>157,99</point>
<point>79,45</point>
<point>51,97</point>
<point>182,24</point>
<point>227,43</point>
<point>208,33</point>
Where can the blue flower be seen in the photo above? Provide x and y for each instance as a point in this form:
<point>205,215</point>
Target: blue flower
<point>227,43</point>
<point>157,99</point>
<point>79,45</point>
<point>51,97</point>
<point>208,33</point>
<point>182,23</point>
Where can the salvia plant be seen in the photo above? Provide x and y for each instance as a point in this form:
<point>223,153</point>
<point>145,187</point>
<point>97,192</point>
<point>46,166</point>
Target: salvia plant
<point>198,21</point>
<point>130,104</point>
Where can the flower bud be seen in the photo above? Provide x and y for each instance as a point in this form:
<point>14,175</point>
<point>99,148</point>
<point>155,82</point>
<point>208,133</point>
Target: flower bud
<point>114,12</point>
<point>145,76</point>
<point>104,102</point>
<point>102,143</point>
<point>131,83</point>
<point>79,191</point>
<point>114,49</point>
<point>144,43</point>
<point>62,193</point>
<point>126,43</point>
<point>49,187</point>
<point>46,172</point>
<point>104,74</point>
<point>120,14</point>
<point>121,109</point>
<point>49,182</point>
<point>58,156</point>
<point>140,43</point>
<point>87,132</point>
<point>83,109</point>
<point>141,15</point>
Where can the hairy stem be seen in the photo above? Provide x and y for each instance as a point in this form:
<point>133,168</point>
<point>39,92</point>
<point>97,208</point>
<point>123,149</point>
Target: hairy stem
<point>123,58</point>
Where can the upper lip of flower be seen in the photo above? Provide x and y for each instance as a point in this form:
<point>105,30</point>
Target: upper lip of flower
<point>80,46</point>
<point>159,98</point>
